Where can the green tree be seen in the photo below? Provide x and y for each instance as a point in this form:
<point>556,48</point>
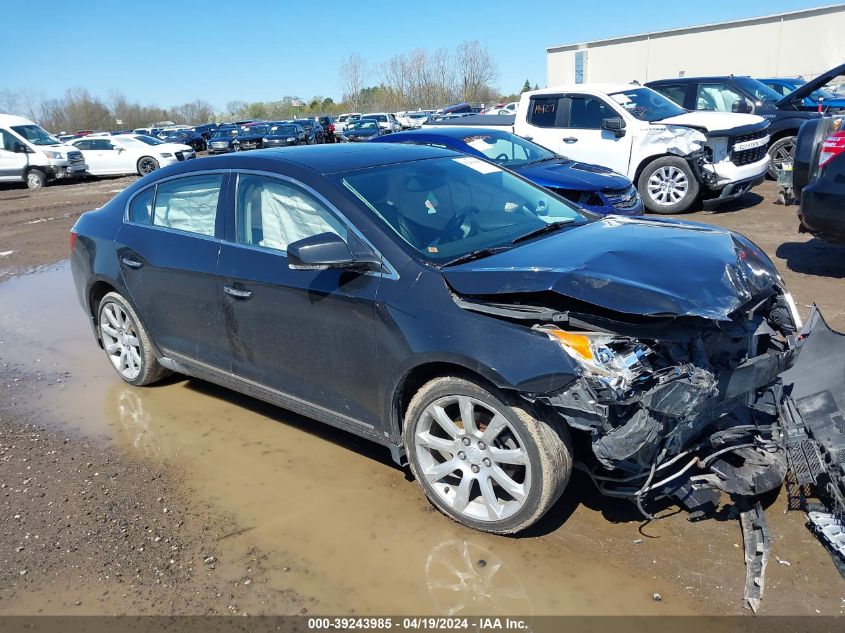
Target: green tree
<point>526,86</point>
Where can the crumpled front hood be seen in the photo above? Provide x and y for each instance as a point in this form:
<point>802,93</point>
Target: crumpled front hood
<point>651,267</point>
<point>713,120</point>
<point>573,175</point>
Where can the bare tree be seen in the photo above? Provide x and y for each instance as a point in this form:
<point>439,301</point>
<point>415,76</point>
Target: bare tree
<point>352,75</point>
<point>477,70</point>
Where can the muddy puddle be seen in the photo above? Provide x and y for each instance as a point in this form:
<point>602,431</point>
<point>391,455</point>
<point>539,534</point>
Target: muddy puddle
<point>359,535</point>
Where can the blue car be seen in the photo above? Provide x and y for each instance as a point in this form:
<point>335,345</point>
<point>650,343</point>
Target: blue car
<point>785,86</point>
<point>592,187</point>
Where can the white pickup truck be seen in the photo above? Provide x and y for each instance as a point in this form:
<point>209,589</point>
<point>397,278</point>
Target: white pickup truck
<point>673,156</point>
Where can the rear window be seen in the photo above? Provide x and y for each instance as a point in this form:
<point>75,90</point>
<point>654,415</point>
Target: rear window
<point>542,111</point>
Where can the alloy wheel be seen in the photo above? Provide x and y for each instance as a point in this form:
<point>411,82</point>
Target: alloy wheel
<point>473,458</point>
<point>782,153</point>
<point>668,185</point>
<point>147,166</point>
<point>120,340</point>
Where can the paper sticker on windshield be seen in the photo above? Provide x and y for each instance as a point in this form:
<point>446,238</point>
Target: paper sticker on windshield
<point>621,98</point>
<point>478,165</point>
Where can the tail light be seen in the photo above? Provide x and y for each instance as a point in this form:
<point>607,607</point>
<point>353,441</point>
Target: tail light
<point>331,127</point>
<point>832,146</point>
<point>72,240</point>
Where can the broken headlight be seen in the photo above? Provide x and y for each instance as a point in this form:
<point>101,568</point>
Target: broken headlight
<point>614,362</point>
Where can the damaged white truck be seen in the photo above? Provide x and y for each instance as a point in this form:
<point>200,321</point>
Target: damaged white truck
<point>673,156</point>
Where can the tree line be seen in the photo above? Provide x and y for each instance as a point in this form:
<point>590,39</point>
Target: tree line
<point>407,81</point>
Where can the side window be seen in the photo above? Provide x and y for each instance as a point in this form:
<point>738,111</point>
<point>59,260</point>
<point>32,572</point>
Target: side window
<point>86,145</point>
<point>778,88</point>
<point>676,92</point>
<point>716,96</point>
<point>542,111</point>
<point>141,207</point>
<point>100,144</point>
<point>188,204</point>
<point>272,213</point>
<point>7,141</point>
<point>587,112</point>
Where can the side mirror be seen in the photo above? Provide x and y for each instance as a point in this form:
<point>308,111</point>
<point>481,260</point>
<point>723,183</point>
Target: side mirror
<point>328,250</point>
<point>20,148</point>
<point>742,106</point>
<point>615,125</point>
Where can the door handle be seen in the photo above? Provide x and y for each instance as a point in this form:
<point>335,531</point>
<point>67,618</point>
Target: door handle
<point>237,293</point>
<point>570,139</point>
<point>130,263</point>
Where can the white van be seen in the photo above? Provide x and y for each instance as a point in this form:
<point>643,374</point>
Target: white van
<point>32,155</point>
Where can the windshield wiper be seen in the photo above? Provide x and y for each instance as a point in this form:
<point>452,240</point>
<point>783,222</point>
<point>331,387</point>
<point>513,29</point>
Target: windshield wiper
<point>478,254</point>
<point>548,228</point>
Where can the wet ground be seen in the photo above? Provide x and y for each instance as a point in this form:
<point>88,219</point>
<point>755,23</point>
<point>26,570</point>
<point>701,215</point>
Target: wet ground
<point>314,518</point>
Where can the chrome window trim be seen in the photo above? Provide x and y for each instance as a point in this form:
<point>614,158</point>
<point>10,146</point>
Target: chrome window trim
<point>167,229</point>
<point>390,271</point>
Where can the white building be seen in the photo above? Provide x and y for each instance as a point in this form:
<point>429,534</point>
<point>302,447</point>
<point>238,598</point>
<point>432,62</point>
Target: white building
<point>805,43</point>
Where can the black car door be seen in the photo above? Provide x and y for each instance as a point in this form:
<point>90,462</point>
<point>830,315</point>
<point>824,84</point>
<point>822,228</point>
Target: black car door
<point>168,249</point>
<point>301,336</point>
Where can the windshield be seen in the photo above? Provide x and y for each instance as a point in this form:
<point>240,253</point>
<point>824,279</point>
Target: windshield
<point>508,150</point>
<point>448,207</point>
<point>757,89</point>
<point>36,135</point>
<point>225,133</point>
<point>646,104</point>
<point>362,125</point>
<point>256,130</point>
<point>281,130</point>
<point>149,140</point>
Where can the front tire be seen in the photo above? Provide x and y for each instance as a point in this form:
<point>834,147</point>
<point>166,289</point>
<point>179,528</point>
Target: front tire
<point>147,165</point>
<point>126,342</point>
<point>667,185</point>
<point>35,179</point>
<point>486,463</point>
<point>780,151</point>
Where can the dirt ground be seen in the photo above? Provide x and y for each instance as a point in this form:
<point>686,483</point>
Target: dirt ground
<point>187,498</point>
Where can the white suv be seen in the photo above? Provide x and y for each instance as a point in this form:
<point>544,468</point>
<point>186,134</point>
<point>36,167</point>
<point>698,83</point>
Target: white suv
<point>672,155</point>
<point>386,120</point>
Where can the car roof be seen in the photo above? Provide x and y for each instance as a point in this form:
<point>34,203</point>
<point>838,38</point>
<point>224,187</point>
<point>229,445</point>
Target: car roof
<point>590,87</point>
<point>678,80</point>
<point>457,133</point>
<point>327,159</point>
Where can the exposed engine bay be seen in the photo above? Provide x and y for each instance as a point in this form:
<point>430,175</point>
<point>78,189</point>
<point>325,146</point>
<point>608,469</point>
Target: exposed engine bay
<point>690,408</point>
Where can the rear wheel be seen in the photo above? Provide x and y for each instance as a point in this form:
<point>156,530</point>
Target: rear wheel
<point>147,165</point>
<point>483,462</point>
<point>35,179</point>
<point>780,151</point>
<point>667,185</point>
<point>126,342</point>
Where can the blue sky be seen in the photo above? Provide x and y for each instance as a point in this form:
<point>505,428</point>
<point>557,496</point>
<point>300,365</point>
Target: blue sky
<point>170,52</point>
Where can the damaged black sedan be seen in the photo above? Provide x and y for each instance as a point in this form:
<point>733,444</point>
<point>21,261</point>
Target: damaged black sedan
<point>487,331</point>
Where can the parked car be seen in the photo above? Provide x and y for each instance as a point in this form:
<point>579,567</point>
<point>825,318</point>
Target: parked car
<point>673,156</point>
<point>284,135</point>
<point>486,331</point>
<point>363,130</point>
<point>30,154</point>
<point>508,108</point>
<point>185,137</point>
<point>207,130</point>
<point>747,95</point>
<point>819,178</point>
<point>417,119</point>
<point>386,120</point>
<point>130,154</point>
<point>327,123</point>
<point>343,119</point>
<point>597,189</point>
<point>820,97</point>
<point>313,130</point>
<point>251,136</point>
<point>223,139</point>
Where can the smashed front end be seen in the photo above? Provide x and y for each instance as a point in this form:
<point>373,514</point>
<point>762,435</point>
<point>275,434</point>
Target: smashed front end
<point>722,395</point>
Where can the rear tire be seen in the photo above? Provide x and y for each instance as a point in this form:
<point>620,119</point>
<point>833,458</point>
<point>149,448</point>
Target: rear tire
<point>779,151</point>
<point>511,465</point>
<point>35,179</point>
<point>126,342</point>
<point>667,185</point>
